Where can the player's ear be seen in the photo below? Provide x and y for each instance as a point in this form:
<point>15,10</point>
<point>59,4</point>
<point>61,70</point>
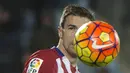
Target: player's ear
<point>60,31</point>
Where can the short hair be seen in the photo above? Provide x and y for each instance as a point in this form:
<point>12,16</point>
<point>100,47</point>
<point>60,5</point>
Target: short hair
<point>75,10</point>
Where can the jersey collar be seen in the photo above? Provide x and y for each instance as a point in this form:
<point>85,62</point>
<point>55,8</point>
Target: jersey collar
<point>58,51</point>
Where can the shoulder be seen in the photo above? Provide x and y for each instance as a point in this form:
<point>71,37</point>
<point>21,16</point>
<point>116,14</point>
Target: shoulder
<point>41,59</point>
<point>46,54</point>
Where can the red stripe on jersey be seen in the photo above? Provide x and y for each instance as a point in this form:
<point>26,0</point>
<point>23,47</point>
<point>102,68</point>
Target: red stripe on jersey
<point>64,68</point>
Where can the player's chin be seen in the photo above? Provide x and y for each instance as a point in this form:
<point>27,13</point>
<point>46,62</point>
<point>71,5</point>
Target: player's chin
<point>73,52</point>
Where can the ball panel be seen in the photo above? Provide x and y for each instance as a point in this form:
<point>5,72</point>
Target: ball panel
<point>79,51</point>
<point>86,59</point>
<point>104,24</point>
<point>90,29</point>
<point>101,58</point>
<point>82,37</point>
<point>83,30</point>
<point>104,36</point>
<point>96,33</point>
<point>83,44</point>
<point>105,29</point>
<point>94,56</point>
<point>86,52</point>
<point>108,59</point>
<point>114,53</point>
<point>112,38</point>
<point>108,52</point>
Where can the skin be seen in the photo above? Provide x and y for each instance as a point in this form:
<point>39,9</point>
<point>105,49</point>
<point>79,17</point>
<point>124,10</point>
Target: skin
<point>66,36</point>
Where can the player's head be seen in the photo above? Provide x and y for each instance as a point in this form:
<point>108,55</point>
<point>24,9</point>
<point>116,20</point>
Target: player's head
<point>72,18</point>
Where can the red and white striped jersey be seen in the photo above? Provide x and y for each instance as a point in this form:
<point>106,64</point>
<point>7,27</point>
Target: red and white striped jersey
<point>49,61</point>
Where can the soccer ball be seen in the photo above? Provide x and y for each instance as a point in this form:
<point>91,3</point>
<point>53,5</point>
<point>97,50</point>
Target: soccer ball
<point>96,43</point>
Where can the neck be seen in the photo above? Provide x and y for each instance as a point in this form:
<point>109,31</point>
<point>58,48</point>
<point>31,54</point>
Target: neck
<point>73,60</point>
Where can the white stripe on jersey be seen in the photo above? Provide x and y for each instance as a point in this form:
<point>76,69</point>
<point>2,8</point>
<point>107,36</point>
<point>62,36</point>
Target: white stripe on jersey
<point>67,64</point>
<point>60,69</point>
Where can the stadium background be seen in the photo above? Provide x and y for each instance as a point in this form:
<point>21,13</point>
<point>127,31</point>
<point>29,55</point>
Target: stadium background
<point>30,25</point>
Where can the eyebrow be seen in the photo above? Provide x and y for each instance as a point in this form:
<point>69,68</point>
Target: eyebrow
<point>72,25</point>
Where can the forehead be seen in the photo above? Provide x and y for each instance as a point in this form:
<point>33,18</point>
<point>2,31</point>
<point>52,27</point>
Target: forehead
<point>76,20</point>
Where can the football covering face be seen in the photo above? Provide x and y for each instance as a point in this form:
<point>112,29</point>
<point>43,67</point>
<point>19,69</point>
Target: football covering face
<point>96,43</point>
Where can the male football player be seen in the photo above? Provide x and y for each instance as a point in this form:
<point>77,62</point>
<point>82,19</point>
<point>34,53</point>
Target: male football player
<point>61,58</point>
